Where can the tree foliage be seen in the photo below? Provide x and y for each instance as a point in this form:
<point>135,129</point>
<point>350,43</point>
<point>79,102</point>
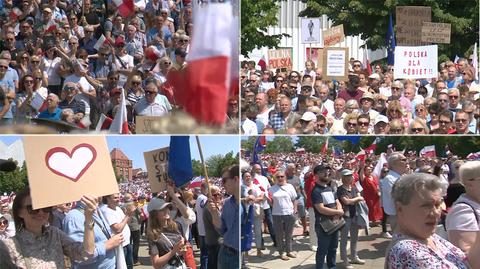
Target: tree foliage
<point>369,19</point>
<point>256,17</point>
<point>197,168</point>
<point>216,163</point>
<point>248,143</point>
<point>14,181</point>
<point>280,144</point>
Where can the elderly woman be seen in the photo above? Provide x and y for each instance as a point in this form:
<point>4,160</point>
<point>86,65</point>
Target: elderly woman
<point>396,111</point>
<point>284,207</point>
<point>463,219</point>
<point>39,245</point>
<point>418,126</point>
<point>418,200</point>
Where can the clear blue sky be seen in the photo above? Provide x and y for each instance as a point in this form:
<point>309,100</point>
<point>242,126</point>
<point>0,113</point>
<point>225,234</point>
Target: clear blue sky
<point>134,146</point>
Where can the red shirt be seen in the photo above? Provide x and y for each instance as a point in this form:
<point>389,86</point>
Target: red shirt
<point>309,184</point>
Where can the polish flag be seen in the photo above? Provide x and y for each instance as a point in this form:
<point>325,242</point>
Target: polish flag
<point>120,124</point>
<point>366,61</point>
<point>101,42</point>
<point>153,54</point>
<point>361,155</point>
<point>203,87</point>
<point>263,63</point>
<point>428,151</point>
<point>125,7</point>
<point>325,147</point>
<point>84,122</point>
<point>51,26</point>
<point>103,123</point>
<point>15,13</point>
<point>372,147</point>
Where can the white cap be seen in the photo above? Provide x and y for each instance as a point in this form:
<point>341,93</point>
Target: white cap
<point>375,76</point>
<point>157,204</point>
<point>309,116</point>
<point>381,118</point>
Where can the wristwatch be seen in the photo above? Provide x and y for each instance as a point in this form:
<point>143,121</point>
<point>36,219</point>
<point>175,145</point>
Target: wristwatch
<point>90,225</point>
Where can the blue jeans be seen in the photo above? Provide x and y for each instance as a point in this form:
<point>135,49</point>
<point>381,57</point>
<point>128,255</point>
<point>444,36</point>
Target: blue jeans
<point>128,251</point>
<point>227,259</point>
<point>203,253</point>
<point>269,219</point>
<point>327,246</point>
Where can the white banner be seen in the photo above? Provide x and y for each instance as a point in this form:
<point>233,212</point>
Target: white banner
<point>416,62</point>
<point>311,32</point>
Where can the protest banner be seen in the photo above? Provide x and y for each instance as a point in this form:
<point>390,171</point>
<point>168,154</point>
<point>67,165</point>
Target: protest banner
<point>409,21</point>
<point>157,167</point>
<point>333,35</point>
<point>146,124</point>
<point>335,63</point>
<point>416,62</point>
<point>316,55</point>
<point>311,32</point>
<point>280,58</point>
<point>434,32</point>
<point>63,168</point>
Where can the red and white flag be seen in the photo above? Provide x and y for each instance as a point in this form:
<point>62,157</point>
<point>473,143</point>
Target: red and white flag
<point>262,63</point>
<point>126,8</point>
<point>51,26</point>
<point>203,88</point>
<point>153,54</point>
<point>325,147</point>
<point>372,147</point>
<point>361,155</point>
<point>120,123</point>
<point>366,61</point>
<point>103,123</point>
<point>428,151</point>
<point>15,13</point>
<point>101,42</point>
<point>84,122</point>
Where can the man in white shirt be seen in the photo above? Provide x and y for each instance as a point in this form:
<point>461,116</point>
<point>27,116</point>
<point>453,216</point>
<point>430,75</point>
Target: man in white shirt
<point>152,104</point>
<point>118,221</point>
<point>200,207</point>
<point>86,91</point>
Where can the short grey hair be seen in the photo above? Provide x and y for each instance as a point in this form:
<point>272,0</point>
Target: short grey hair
<point>469,170</point>
<point>405,187</point>
<point>394,157</point>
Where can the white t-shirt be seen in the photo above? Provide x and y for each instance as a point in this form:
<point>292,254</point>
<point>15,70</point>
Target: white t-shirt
<point>460,216</point>
<point>116,216</point>
<point>200,206</point>
<point>127,60</point>
<point>283,197</point>
<point>51,67</point>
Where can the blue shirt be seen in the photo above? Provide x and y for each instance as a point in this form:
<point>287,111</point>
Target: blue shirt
<point>74,226</point>
<point>56,115</point>
<point>230,223</point>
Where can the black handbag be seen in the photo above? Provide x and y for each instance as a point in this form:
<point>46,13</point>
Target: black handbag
<point>330,225</point>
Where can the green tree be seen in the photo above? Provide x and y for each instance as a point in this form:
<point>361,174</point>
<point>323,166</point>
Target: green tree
<point>369,19</point>
<point>14,181</point>
<point>248,143</point>
<point>280,144</point>
<point>312,144</point>
<point>197,168</point>
<point>256,17</point>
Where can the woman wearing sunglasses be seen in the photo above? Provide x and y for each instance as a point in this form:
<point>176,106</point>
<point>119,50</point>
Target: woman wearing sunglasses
<point>38,245</point>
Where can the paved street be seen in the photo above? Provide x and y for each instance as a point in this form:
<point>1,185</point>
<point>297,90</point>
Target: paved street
<point>370,248</point>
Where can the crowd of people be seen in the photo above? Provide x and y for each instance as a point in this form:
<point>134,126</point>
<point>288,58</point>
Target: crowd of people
<point>69,62</point>
<point>106,232</point>
<point>427,207</point>
<point>293,102</point>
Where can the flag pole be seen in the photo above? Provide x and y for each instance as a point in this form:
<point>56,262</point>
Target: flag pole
<point>204,166</point>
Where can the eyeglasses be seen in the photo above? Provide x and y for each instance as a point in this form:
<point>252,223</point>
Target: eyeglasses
<point>58,33</point>
<point>444,122</point>
<point>216,194</point>
<point>321,125</point>
<point>443,100</point>
<point>461,120</point>
<point>28,81</point>
<point>113,78</point>
<point>183,40</point>
<point>280,176</point>
<point>35,62</point>
<point>453,96</point>
<point>419,110</point>
<point>36,211</point>
<point>364,123</point>
<point>393,130</point>
<point>136,82</point>
<point>284,88</point>
<point>357,65</point>
<point>351,124</point>
<point>417,130</point>
<point>395,88</point>
<point>9,39</point>
<point>3,67</point>
<point>24,57</point>
<point>39,78</point>
<point>167,63</point>
<point>395,111</point>
<point>72,43</point>
<point>150,92</point>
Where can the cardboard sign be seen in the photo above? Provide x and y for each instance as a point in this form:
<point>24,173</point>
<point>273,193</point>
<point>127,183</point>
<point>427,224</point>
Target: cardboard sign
<point>333,36</point>
<point>316,55</point>
<point>435,32</point>
<point>63,168</point>
<point>146,124</point>
<point>281,58</point>
<point>311,31</point>
<point>409,21</point>
<point>335,63</point>
<point>416,62</point>
<point>157,168</point>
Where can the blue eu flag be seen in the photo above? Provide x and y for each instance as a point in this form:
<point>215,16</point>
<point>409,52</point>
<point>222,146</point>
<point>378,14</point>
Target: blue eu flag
<point>390,43</point>
<point>180,162</point>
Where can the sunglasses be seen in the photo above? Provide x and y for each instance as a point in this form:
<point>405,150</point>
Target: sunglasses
<point>35,62</point>
<point>36,211</point>
<point>28,81</point>
<point>396,130</point>
<point>136,82</point>
<point>453,96</point>
<point>460,120</point>
<point>442,100</point>
<point>71,43</point>
<point>351,124</point>
<point>216,194</point>
<point>417,130</point>
<point>363,123</point>
<point>357,65</point>
<point>150,92</point>
<point>443,122</point>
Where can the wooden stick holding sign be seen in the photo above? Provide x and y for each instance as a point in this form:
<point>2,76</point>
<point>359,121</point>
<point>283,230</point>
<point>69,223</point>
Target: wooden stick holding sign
<point>204,166</point>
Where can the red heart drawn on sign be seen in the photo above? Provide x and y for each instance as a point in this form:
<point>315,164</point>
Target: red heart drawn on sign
<point>71,165</point>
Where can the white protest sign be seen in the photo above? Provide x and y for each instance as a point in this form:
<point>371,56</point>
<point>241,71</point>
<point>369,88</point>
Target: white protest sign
<point>416,62</point>
<point>336,63</point>
<point>311,32</point>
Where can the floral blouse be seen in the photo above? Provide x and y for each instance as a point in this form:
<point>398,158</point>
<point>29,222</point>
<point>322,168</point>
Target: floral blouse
<point>408,253</point>
<point>27,250</point>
